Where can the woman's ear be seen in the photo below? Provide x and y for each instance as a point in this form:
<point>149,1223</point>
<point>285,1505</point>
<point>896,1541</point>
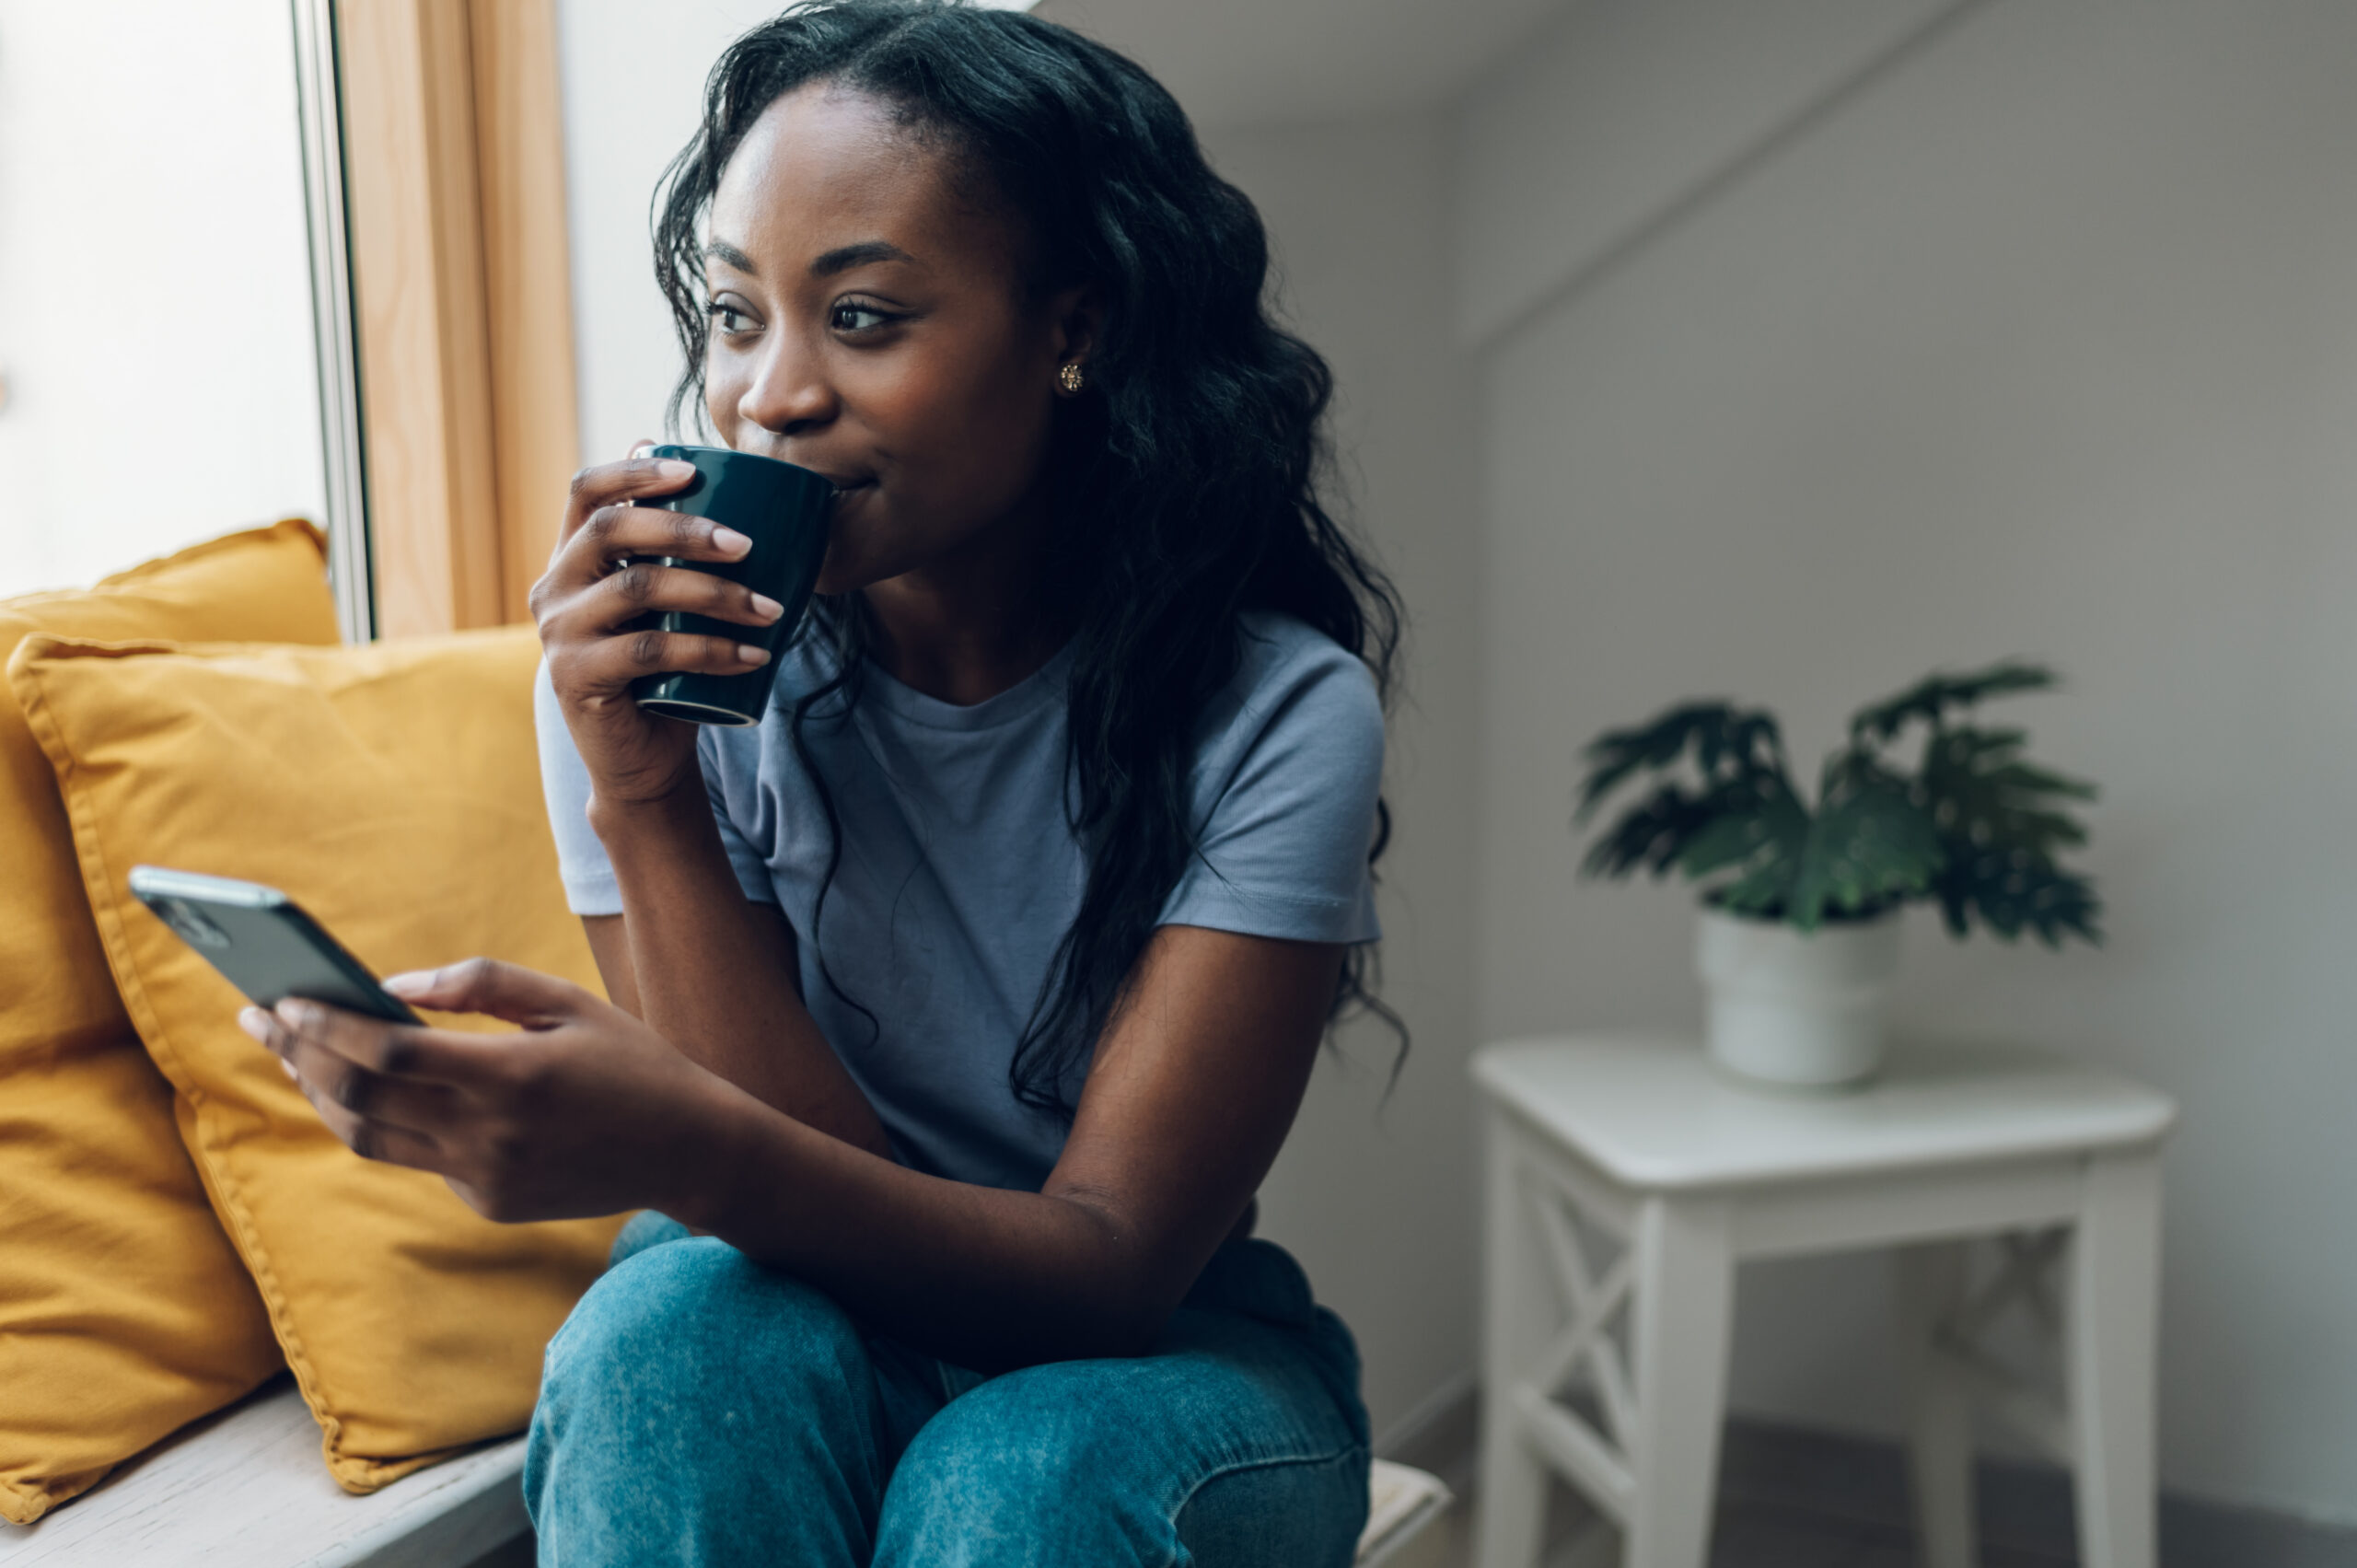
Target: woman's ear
<point>1077,315</point>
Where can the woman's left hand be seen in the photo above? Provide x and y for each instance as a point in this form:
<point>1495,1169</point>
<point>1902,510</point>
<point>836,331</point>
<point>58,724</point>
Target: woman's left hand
<point>587,1111</point>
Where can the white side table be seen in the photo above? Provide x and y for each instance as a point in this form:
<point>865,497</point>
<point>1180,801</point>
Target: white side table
<point>1627,1178</point>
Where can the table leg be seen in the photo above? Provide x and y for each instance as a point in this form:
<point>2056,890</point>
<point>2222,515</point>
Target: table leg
<point>1931,1281</point>
<point>2111,1350</point>
<point>1684,1312</point>
<point>1519,1312</point>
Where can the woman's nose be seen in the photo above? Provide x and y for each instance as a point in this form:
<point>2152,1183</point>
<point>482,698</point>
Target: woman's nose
<point>790,393</point>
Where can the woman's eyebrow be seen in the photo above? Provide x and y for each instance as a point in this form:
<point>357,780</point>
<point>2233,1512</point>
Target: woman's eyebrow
<point>729,256</point>
<point>843,258</point>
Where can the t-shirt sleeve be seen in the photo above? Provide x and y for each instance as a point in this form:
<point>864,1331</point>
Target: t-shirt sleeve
<point>1286,790</point>
<point>581,860</point>
<point>722,781</point>
<point>589,875</point>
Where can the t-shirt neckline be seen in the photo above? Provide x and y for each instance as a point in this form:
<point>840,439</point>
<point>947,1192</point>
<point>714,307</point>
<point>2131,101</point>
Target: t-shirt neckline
<point>1044,685</point>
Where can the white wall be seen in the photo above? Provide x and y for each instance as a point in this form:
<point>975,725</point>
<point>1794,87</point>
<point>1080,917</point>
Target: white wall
<point>1373,1196</point>
<point>634,93</point>
<point>1376,1197</point>
<point>155,283</point>
<point>1306,63</point>
<point>1637,106</point>
<point>2045,342</point>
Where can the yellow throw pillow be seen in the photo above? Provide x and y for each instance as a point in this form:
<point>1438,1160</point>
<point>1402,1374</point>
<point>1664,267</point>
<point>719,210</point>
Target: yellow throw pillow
<point>265,585</point>
<point>124,1311</point>
<point>394,792</point>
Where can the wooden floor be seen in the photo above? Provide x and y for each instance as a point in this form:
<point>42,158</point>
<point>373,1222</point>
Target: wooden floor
<point>1756,1533</point>
<point>1797,1499</point>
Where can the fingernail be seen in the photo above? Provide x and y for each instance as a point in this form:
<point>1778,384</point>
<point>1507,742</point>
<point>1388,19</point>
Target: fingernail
<point>672,468</point>
<point>767,608</point>
<point>752,654</point>
<point>417,982</point>
<point>255,1022</point>
<point>288,1068</point>
<point>729,539</point>
<point>297,1015</point>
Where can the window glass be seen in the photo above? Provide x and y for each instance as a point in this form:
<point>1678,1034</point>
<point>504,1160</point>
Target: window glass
<point>156,331</point>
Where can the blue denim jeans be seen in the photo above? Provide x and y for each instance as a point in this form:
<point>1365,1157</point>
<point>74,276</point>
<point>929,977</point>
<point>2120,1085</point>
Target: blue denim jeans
<point>699,1411</point>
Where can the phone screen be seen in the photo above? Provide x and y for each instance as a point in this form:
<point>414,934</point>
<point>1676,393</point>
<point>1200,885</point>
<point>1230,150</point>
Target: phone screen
<point>263,943</point>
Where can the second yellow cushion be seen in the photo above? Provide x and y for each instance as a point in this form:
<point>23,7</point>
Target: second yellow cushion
<point>393,791</point>
<point>124,1312</point>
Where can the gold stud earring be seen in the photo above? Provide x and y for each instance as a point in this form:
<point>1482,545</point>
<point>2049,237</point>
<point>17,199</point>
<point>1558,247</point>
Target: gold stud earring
<point>1071,378</point>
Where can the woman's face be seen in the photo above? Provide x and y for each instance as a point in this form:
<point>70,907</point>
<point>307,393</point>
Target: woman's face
<point>870,323</point>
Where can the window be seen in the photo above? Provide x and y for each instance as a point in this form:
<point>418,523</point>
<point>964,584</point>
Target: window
<point>156,326</point>
<point>174,315</point>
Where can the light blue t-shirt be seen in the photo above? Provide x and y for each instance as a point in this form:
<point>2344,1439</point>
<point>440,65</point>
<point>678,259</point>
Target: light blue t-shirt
<point>961,871</point>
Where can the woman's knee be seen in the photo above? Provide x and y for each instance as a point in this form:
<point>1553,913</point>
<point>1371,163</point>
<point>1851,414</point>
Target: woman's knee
<point>1143,1461</point>
<point>694,1397</point>
<point>1305,1512</point>
<point>646,1228</point>
<point>1016,1482</point>
<point>695,1324</point>
<point>1057,1465</point>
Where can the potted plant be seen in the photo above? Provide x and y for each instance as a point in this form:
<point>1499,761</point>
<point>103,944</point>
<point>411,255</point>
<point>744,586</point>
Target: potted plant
<point>1799,935</point>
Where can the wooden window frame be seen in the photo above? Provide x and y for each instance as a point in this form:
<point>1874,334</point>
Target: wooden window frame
<point>453,191</point>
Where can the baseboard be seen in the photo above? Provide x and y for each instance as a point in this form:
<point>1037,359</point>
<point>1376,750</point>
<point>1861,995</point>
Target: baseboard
<point>1855,1486</point>
<point>1440,1434</point>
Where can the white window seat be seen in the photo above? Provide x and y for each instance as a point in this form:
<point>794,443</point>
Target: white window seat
<point>247,1488</point>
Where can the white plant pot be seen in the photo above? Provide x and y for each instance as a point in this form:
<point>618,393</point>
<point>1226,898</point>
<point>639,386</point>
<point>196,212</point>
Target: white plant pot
<point>1804,1009</point>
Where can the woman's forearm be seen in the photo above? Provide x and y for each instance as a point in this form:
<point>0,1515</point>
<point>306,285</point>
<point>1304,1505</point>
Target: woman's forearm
<point>713,973</point>
<point>979,1276</point>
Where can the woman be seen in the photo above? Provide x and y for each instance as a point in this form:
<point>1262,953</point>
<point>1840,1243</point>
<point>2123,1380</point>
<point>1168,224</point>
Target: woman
<point>964,1002</point>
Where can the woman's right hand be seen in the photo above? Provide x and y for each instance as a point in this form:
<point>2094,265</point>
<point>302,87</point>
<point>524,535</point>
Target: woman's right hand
<point>589,603</point>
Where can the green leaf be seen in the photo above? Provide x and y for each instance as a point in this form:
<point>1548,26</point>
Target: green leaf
<point>2024,778</point>
<point>1648,835</point>
<point>2017,890</point>
<point>1727,742</point>
<point>1931,698</point>
<point>1776,828</point>
<point>1764,894</point>
<point>1755,819</point>
<point>1981,797</point>
<point>1729,840</point>
<point>1870,847</point>
<point>1739,758</point>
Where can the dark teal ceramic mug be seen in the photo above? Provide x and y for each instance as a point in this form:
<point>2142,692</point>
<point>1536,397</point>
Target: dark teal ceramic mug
<point>784,510</point>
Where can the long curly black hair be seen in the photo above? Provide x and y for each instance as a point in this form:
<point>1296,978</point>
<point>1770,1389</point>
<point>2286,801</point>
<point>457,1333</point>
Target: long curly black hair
<point>1186,483</point>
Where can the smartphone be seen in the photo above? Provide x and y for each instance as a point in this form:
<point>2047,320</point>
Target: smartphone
<point>262,942</point>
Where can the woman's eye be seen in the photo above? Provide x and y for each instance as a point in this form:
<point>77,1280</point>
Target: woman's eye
<point>728,318</point>
<point>853,318</point>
